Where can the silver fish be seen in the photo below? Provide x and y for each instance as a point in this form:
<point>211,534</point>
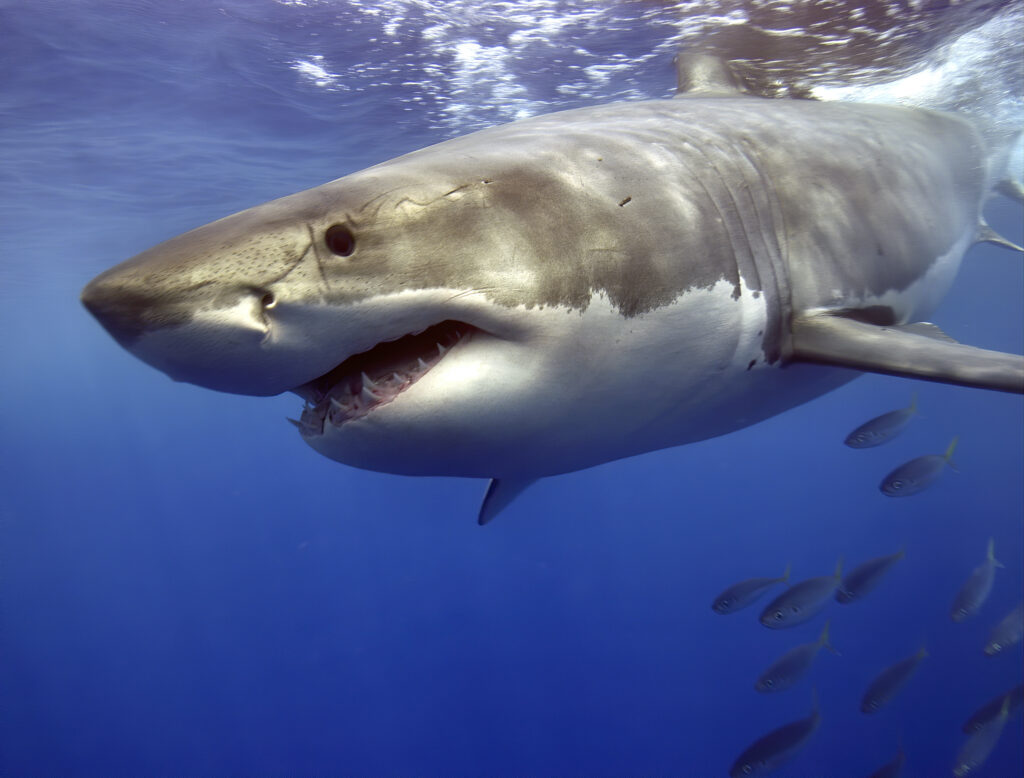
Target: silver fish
<point>802,601</point>
<point>793,665</point>
<point>882,429</point>
<point>976,589</point>
<point>865,577</point>
<point>744,593</point>
<point>990,709</point>
<point>913,476</point>
<point>889,682</point>
<point>1008,632</point>
<point>773,750</point>
<point>891,769</point>
<point>979,745</point>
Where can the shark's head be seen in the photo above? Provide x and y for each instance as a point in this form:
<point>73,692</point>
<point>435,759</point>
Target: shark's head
<point>442,312</point>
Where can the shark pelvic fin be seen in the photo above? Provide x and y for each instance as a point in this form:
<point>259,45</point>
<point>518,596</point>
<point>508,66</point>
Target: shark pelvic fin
<point>918,350</point>
<point>500,492</point>
<point>987,235</point>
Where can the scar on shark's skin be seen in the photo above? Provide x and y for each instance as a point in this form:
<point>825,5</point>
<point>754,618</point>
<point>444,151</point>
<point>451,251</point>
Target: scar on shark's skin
<point>771,242</point>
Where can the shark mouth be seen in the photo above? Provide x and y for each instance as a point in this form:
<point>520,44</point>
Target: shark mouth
<point>373,378</point>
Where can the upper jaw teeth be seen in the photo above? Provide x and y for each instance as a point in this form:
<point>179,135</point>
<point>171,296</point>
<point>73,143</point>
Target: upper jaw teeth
<point>354,397</point>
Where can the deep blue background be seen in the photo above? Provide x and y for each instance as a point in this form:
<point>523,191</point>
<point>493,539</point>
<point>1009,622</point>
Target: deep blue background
<point>186,589</point>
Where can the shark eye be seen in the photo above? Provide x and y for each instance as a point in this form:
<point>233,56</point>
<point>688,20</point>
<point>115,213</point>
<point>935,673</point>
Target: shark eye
<point>340,240</point>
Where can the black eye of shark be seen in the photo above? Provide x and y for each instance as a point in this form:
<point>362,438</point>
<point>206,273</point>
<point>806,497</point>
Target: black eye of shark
<point>365,381</point>
<point>340,240</point>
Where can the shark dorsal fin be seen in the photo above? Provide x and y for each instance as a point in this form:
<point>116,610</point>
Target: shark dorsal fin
<point>703,75</point>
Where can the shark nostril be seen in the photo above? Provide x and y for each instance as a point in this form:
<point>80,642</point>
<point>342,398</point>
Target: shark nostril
<point>268,301</point>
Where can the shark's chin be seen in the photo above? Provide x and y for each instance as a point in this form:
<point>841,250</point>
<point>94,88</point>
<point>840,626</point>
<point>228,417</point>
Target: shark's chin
<point>366,381</point>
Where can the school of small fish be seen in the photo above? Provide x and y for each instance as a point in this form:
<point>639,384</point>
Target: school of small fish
<point>804,600</point>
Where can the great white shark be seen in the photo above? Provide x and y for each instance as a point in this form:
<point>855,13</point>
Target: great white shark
<point>566,290</point>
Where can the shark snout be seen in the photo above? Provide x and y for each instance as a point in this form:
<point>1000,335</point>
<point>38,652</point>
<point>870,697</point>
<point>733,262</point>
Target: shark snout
<point>127,310</point>
<point>199,333</point>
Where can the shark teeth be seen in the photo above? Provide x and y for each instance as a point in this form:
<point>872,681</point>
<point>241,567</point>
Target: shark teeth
<point>366,381</point>
<point>310,424</point>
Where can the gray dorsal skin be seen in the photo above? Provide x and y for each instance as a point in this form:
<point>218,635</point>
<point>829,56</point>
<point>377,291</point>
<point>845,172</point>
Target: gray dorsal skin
<point>977,587</point>
<point>889,682</point>
<point>835,340</point>
<point>773,750</point>
<point>865,577</point>
<point>991,709</point>
<point>745,593</point>
<point>571,289</point>
<point>1007,633</point>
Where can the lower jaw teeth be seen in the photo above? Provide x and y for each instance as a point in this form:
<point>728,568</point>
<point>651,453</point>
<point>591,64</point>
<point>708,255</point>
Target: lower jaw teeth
<point>353,398</point>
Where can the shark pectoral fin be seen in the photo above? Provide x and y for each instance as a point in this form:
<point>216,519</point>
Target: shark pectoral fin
<point>918,350</point>
<point>1012,189</point>
<point>500,492</point>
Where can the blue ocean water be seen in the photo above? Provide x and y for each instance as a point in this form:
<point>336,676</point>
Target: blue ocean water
<point>187,589</point>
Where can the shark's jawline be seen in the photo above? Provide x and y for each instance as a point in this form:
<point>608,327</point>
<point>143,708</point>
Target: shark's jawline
<point>365,381</point>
